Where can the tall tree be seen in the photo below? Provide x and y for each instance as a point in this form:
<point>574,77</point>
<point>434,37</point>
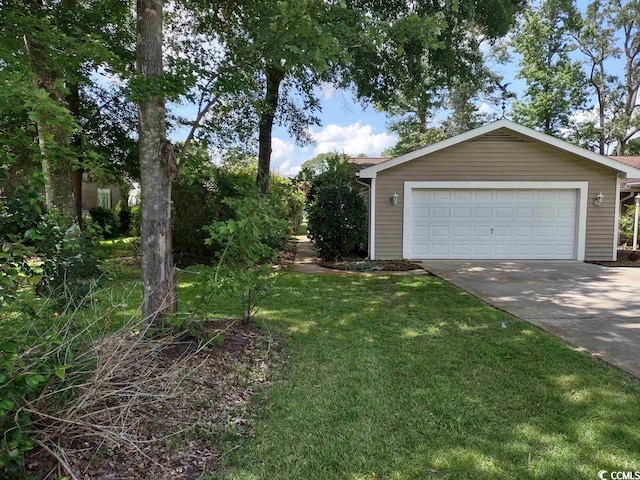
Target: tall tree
<point>555,83</point>
<point>414,78</point>
<point>51,51</point>
<point>157,167</point>
<point>596,41</point>
<point>625,16</point>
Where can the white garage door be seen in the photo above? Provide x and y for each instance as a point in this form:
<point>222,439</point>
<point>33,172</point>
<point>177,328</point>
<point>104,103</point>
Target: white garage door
<point>493,224</point>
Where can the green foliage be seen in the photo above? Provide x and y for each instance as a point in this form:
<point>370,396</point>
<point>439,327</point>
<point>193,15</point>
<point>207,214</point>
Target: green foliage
<point>107,220</point>
<point>555,82</point>
<point>633,147</point>
<point>625,224</point>
<point>251,239</point>
<point>136,219</point>
<point>22,378</point>
<point>13,267</point>
<point>23,210</point>
<point>335,211</point>
<point>197,195</point>
<point>412,136</point>
<point>69,260</point>
<point>125,218</point>
<point>204,193</point>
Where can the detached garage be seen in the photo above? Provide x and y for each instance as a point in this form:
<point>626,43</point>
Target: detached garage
<point>502,191</point>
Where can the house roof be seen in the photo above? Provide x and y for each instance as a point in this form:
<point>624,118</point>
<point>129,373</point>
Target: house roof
<point>629,170</point>
<point>365,162</point>
<point>628,183</point>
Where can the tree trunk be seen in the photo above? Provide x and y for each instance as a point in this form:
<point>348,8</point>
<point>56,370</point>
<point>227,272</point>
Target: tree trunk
<point>267,114</point>
<point>52,139</point>
<point>58,188</point>
<point>157,167</point>
<point>73,101</point>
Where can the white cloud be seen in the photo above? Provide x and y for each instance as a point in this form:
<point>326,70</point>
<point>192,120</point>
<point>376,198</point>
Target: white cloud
<point>582,116</point>
<point>485,109</point>
<point>282,157</point>
<point>352,140</point>
<point>281,150</point>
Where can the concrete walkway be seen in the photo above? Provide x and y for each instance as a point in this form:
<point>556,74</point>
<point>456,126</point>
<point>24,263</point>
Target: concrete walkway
<point>592,307</point>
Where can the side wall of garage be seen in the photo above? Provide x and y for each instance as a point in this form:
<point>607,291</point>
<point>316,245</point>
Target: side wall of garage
<point>498,156</point>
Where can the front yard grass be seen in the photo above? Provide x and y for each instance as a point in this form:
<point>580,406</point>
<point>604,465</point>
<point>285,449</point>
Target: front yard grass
<point>407,377</point>
<point>410,378</point>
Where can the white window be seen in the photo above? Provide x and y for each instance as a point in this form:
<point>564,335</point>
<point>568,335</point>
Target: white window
<point>104,197</point>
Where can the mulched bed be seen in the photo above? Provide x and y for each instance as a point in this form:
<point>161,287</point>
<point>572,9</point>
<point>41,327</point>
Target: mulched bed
<point>182,433</point>
<point>623,260</point>
<point>361,265</point>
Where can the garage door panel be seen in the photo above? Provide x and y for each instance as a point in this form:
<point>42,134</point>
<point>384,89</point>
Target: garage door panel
<point>486,223</point>
<point>503,213</point>
<point>524,213</point>
<point>462,212</point>
<point>461,231</point>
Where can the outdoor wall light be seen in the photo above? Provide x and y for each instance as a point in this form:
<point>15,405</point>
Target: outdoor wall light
<point>394,198</point>
<point>599,199</point>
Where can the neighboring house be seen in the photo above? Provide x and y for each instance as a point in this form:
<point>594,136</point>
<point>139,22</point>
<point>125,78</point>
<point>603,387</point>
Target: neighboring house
<point>501,191</point>
<point>93,195</point>
<point>629,187</point>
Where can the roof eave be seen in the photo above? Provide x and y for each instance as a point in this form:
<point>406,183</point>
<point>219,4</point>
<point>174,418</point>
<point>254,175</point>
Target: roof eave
<point>371,172</point>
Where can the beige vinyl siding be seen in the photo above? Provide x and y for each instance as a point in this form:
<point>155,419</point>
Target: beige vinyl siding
<point>498,156</point>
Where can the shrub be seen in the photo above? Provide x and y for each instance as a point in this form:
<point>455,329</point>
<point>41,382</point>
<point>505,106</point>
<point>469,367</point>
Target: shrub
<point>335,212</point>
<point>136,219</point>
<point>199,196</point>
<point>625,224</point>
<point>69,260</point>
<point>123,212</point>
<point>107,220</point>
<point>23,210</point>
<point>251,239</point>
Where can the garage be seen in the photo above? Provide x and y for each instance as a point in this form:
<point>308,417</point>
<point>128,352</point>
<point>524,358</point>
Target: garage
<point>500,192</point>
<point>492,223</point>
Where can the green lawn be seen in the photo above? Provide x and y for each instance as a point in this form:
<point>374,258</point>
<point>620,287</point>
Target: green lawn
<point>407,377</point>
<point>410,378</point>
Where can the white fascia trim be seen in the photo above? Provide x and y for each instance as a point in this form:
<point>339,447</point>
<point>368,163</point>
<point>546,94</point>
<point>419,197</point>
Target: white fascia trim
<point>372,220</point>
<point>631,172</point>
<point>616,227</point>
<point>581,187</point>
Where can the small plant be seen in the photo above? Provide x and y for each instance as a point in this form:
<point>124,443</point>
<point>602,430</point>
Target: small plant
<point>251,239</point>
<point>24,374</point>
<point>13,267</point>
<point>107,220</point>
<point>69,260</point>
<point>625,224</point>
<point>136,221</point>
<point>123,212</point>
<point>23,210</point>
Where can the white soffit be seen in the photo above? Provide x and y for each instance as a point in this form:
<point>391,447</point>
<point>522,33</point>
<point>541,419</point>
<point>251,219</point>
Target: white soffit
<point>372,171</point>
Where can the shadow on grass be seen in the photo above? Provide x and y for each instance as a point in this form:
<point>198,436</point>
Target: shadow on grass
<point>409,377</point>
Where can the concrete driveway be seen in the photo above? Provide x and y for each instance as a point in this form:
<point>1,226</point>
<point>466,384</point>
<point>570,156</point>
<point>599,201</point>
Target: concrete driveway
<point>592,307</point>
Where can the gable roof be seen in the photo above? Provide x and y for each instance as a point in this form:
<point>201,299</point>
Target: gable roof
<point>365,162</point>
<point>371,172</point>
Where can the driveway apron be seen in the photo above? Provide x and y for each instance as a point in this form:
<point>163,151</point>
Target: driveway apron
<point>592,307</point>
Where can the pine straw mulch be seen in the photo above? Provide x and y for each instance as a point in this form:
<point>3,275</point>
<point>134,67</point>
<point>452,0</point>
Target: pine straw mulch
<point>622,261</point>
<point>184,398</point>
<point>363,265</point>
